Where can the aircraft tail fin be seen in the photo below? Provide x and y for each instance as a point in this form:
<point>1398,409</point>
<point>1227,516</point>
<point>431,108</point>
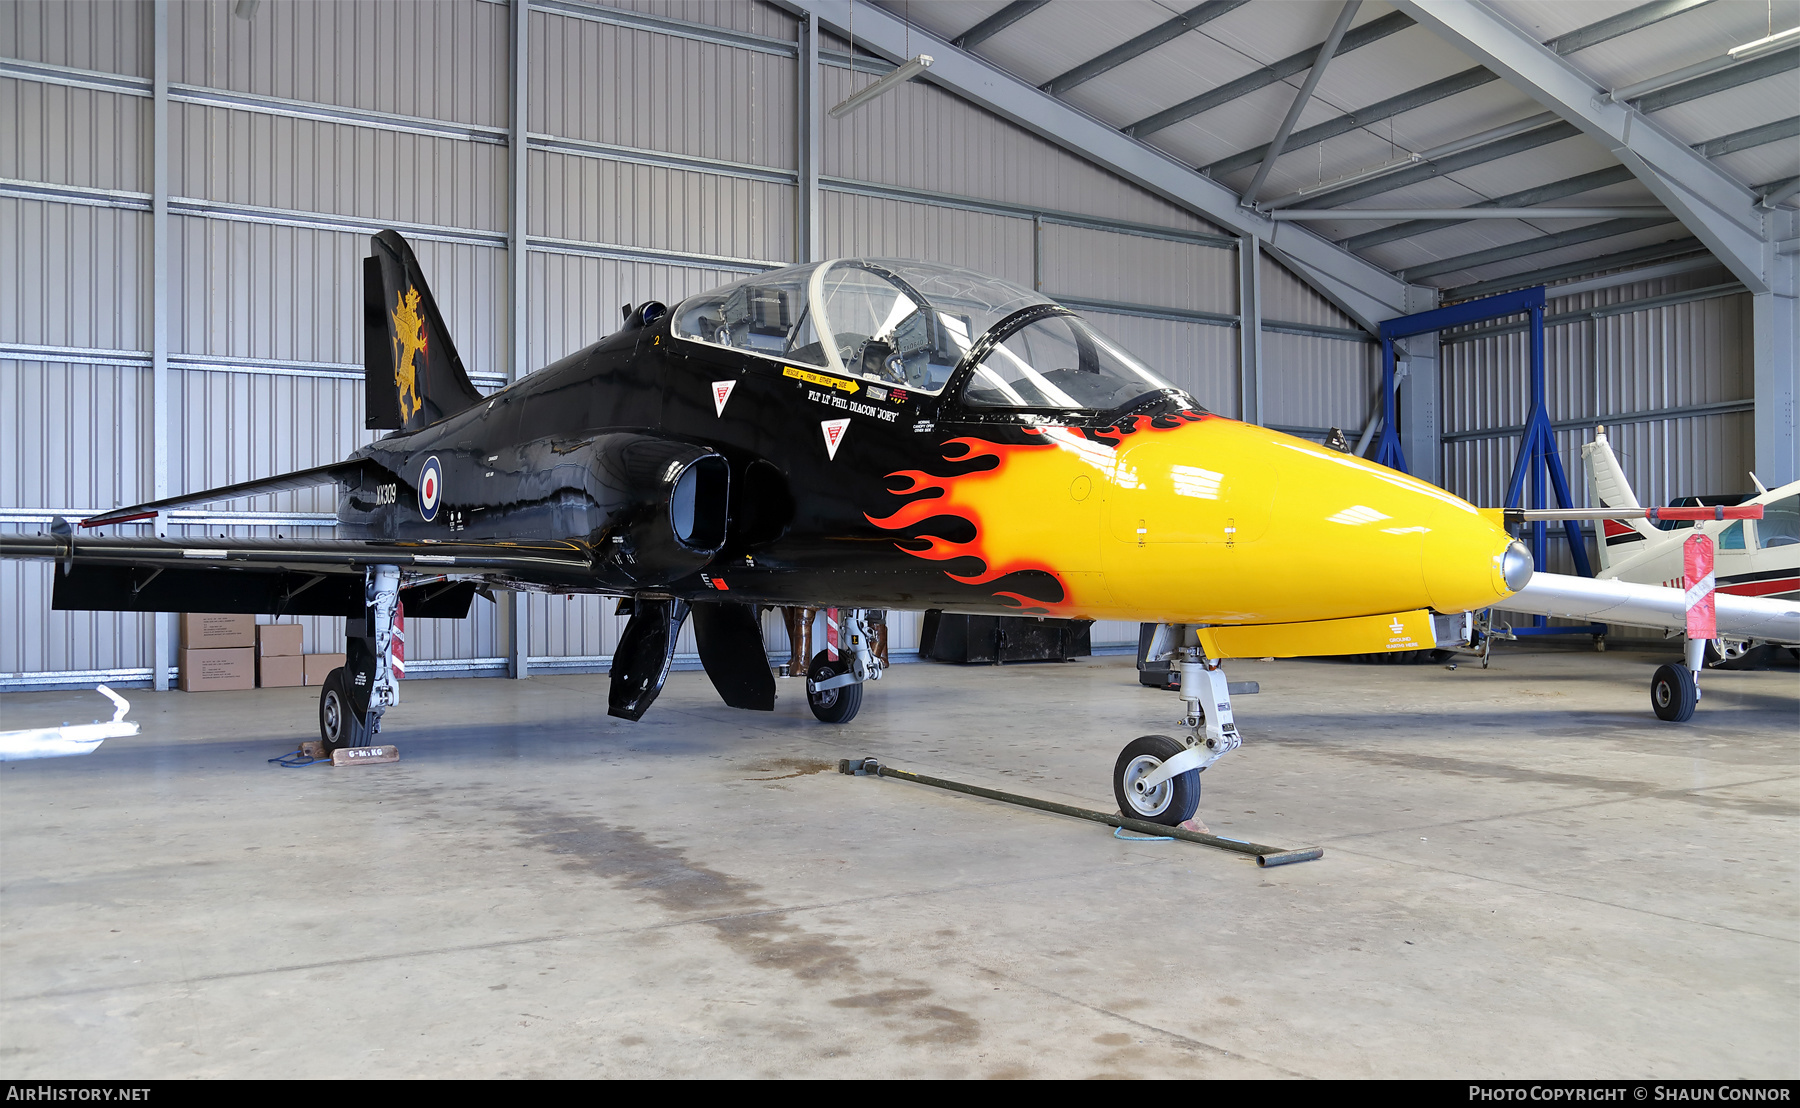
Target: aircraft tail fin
<point>1612,490</point>
<point>411,372</point>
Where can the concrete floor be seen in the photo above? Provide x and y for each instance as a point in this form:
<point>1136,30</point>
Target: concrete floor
<point>1526,874</point>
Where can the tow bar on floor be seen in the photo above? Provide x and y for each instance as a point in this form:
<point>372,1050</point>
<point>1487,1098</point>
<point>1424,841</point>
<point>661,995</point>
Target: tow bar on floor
<point>1265,855</point>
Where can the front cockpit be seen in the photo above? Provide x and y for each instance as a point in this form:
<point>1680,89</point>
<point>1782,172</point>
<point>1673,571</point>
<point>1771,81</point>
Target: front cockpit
<point>925,328</point>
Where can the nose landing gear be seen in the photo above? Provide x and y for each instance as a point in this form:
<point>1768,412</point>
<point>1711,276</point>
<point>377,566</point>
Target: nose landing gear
<point>835,678</point>
<point>1157,778</point>
<point>1170,802</point>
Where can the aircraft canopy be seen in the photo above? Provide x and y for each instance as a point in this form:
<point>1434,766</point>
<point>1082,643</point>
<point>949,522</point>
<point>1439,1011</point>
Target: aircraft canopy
<point>911,324</point>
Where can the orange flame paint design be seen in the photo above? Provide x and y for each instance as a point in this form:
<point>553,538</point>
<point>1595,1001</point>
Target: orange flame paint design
<point>1012,504</point>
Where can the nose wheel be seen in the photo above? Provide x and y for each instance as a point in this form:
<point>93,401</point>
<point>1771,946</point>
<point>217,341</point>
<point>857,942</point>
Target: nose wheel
<point>1169,802</point>
<point>840,703</point>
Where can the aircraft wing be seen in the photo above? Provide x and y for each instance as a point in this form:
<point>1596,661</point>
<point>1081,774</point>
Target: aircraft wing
<point>300,479</point>
<point>282,576</point>
<point>1609,601</point>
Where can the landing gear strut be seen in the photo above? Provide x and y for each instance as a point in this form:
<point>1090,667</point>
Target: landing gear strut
<point>835,677</point>
<point>356,695</point>
<point>1158,778</point>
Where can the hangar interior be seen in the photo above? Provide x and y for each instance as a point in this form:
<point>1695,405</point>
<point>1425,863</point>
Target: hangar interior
<point>1525,875</point>
<point>188,194</point>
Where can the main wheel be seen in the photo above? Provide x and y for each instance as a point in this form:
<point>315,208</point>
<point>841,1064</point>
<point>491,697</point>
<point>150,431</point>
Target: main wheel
<point>838,705</point>
<point>1173,802</point>
<point>338,725</point>
<point>1673,693</point>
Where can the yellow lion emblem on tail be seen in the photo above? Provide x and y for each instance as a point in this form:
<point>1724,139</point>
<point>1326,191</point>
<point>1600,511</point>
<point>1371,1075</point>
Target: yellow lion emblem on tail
<point>409,335</point>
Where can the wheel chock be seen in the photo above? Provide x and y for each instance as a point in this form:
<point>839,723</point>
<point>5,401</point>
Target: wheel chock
<point>364,755</point>
<point>1265,855</point>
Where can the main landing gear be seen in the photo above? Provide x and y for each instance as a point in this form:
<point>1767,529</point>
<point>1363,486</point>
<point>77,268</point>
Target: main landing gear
<point>354,696</point>
<point>1157,778</point>
<point>1675,690</point>
<point>835,677</point>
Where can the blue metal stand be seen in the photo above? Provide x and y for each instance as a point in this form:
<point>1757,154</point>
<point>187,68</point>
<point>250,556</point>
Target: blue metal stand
<point>1389,453</point>
<point>1537,453</point>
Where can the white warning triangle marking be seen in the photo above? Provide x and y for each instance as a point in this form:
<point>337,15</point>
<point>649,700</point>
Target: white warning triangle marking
<point>722,393</point>
<point>834,434</point>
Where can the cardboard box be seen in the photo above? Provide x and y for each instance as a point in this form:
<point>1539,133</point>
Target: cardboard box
<point>204,631</point>
<point>280,672</point>
<point>320,665</point>
<point>217,670</point>
<point>279,640</point>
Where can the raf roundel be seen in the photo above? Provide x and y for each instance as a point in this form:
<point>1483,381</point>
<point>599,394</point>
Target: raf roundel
<point>431,488</point>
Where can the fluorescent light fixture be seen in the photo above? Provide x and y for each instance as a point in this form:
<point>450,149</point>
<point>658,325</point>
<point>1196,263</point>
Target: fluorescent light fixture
<point>902,73</point>
<point>245,9</point>
<point>1763,45</point>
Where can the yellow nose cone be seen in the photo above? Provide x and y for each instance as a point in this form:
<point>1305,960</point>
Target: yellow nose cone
<point>1231,523</point>
<point>1468,560</point>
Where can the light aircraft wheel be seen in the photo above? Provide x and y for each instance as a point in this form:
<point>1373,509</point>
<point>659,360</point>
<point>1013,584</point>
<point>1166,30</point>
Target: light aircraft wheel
<point>338,725</point>
<point>1673,693</point>
<point>1173,802</point>
<point>838,705</point>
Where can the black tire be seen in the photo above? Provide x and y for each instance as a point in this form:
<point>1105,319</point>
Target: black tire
<point>833,705</point>
<point>1174,801</point>
<point>1673,693</point>
<point>338,724</point>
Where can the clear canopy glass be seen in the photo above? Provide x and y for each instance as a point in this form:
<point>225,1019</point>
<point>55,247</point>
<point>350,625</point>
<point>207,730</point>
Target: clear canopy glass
<point>909,324</point>
<point>1058,361</point>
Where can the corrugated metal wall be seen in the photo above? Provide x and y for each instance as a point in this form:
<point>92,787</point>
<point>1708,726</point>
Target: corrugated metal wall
<point>1671,383</point>
<point>663,162</point>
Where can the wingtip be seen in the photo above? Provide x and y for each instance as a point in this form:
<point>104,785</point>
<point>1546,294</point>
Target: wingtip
<point>106,518</point>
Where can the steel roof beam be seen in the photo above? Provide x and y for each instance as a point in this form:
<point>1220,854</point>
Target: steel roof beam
<point>1751,136</point>
<point>1579,39</point>
<point>1367,292</point>
<point>1624,23</point>
<point>1611,211</point>
<point>1673,248</point>
<point>1573,186</point>
<point>1372,31</point>
<point>1362,117</point>
<point>1555,190</point>
<point>1721,212</point>
<point>1326,52</point>
<point>1778,193</point>
<point>1555,131</point>
<point>1142,44</point>
<point>1769,65</point>
<point>996,23</point>
<point>1538,245</point>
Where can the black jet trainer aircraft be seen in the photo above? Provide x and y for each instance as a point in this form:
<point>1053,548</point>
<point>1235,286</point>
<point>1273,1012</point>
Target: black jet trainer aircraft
<point>855,434</point>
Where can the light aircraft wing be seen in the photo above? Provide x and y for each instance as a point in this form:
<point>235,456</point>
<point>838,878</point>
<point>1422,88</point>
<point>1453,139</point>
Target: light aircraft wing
<point>1612,601</point>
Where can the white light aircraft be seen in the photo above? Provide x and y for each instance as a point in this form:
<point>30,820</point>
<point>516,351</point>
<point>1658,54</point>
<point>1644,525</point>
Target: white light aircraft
<point>1643,583</point>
